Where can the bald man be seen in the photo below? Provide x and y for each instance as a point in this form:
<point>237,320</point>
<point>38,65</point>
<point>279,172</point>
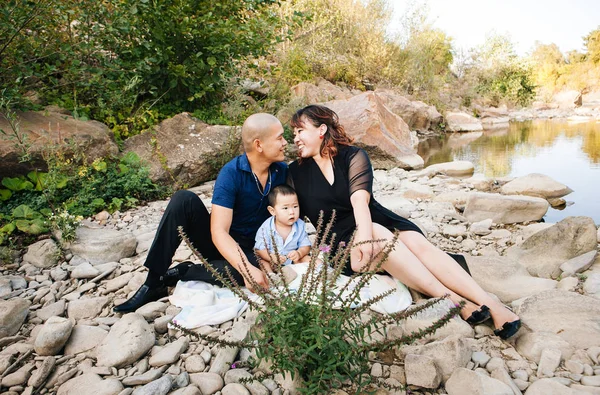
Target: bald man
<point>226,237</point>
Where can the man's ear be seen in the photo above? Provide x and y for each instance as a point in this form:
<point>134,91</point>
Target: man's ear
<point>257,145</point>
<point>271,210</point>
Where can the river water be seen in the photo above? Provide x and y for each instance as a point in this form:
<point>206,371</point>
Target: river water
<point>567,152</point>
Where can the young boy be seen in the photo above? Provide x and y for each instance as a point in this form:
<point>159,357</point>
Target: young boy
<point>284,226</point>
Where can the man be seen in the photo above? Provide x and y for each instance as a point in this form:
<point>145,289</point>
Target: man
<point>225,237</point>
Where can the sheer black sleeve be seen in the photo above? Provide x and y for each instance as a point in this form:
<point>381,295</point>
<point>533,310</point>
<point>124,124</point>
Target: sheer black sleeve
<point>360,172</point>
<point>290,179</point>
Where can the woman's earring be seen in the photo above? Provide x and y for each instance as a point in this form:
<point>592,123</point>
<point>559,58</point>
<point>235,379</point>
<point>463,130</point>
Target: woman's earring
<point>321,136</point>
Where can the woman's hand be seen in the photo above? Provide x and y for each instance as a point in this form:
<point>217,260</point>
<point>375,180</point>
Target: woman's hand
<point>365,253</point>
<point>259,278</point>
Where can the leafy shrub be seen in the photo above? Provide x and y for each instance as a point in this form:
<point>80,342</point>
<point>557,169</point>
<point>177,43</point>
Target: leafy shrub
<point>317,332</point>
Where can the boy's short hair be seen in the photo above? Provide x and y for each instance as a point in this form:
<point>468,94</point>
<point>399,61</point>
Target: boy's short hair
<point>283,189</point>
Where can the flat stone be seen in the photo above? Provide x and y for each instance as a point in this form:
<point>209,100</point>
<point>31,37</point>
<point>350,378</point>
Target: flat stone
<point>84,338</point>
<point>144,378</point>
<point>549,361</point>
<point>53,336</point>
<point>101,245</point>
<point>480,358</point>
<point>170,353</point>
<point>481,228</point>
<point>12,315</point>
<point>209,383</point>
<point>234,389</point>
<point>422,371</point>
<point>152,310</point>
<point>593,381</point>
<point>464,381</point>
<point>503,209</point>
<point>39,375</point>
<point>503,376</point>
<point>86,308</point>
<point>90,383</point>
<point>189,390</point>
<point>129,339</point>
<point>457,168</point>
<point>550,387</point>
<point>161,386</point>
<point>85,270</point>
<point>579,263</point>
<point>531,344</point>
<point>194,364</point>
<point>54,309</point>
<point>536,184</point>
<point>19,377</point>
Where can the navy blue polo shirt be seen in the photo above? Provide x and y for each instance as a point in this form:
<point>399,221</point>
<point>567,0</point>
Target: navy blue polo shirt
<point>237,189</point>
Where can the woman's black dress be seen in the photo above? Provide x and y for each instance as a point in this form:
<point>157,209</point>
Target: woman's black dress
<point>352,171</point>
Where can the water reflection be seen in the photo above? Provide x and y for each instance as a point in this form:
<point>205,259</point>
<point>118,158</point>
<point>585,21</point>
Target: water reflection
<point>567,152</point>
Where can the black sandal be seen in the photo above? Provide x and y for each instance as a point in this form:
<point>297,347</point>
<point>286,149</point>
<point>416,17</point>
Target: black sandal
<point>508,329</point>
<point>479,316</point>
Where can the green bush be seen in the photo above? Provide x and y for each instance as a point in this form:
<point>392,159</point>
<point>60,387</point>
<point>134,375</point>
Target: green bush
<point>317,332</point>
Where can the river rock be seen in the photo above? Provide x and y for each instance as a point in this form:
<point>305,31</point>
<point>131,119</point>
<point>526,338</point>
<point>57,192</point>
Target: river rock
<point>128,339</point>
<point>85,270</point>
<point>189,390</point>
<point>234,389</point>
<point>449,354</point>
<point>506,278</point>
<point>19,377</point>
<point>187,143</point>
<point>143,378</point>
<point>322,90</point>
<point>170,353</point>
<point>457,198</point>
<point>531,345</point>
<point>458,168</point>
<point>502,375</point>
<point>536,184</point>
<point>422,371</point>
<point>12,315</point>
<point>418,115</point>
<point>39,375</point>
<point>86,308</point>
<point>568,99</point>
<point>194,364</point>
<point>412,190</point>
<point>54,309</point>
<point>158,387</point>
<point>464,381</point>
<point>94,137</point>
<point>551,387</point>
<point>90,383</point>
<point>152,310</point>
<point>209,383</point>
<point>570,315</point>
<point>102,245</point>
<point>425,318</point>
<point>84,338</point>
<point>462,122</point>
<point>42,254</point>
<point>579,263</point>
<point>591,286</point>
<point>53,336</point>
<point>549,361</point>
<point>544,252</point>
<point>384,135</point>
<point>503,209</point>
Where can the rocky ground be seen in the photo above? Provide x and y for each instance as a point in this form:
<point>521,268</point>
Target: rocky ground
<point>58,334</point>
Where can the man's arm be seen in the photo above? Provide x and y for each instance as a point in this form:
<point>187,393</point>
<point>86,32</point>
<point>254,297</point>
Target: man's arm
<point>220,222</point>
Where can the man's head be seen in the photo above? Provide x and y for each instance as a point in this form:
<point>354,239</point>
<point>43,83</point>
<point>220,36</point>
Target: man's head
<point>283,204</point>
<point>262,135</point>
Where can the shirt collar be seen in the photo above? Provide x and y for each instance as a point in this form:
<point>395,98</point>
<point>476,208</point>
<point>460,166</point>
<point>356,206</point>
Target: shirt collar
<point>244,164</point>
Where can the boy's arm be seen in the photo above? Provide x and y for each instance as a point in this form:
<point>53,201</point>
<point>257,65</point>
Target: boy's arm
<point>303,251</point>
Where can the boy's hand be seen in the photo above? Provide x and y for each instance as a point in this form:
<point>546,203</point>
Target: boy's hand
<point>294,256</point>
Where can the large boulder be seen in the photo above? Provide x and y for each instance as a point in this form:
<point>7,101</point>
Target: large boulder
<point>181,148</point>
<point>504,209</point>
<point>101,245</point>
<point>462,122</point>
<point>384,135</point>
<point>568,99</point>
<point>506,278</point>
<point>418,115</point>
<point>44,130</point>
<point>321,91</point>
<point>544,252</point>
<point>457,168</point>
<point>536,184</point>
<point>571,316</point>
<point>42,254</point>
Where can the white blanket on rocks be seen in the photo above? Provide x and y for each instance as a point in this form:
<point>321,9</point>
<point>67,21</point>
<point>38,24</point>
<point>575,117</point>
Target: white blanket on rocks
<point>206,304</point>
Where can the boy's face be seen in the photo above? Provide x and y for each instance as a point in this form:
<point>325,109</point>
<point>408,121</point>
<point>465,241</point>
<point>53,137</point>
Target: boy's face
<point>286,210</point>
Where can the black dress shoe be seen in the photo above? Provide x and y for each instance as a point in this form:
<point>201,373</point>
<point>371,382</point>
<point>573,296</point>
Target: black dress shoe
<point>176,273</point>
<point>508,329</point>
<point>141,297</point>
<point>479,316</point>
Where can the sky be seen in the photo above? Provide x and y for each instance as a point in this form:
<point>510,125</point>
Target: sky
<point>525,21</point>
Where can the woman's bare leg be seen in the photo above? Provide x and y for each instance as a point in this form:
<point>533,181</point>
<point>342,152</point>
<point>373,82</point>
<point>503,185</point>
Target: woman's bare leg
<point>406,267</point>
<point>449,273</point>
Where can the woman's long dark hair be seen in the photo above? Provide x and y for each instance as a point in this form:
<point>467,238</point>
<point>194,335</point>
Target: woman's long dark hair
<point>320,115</point>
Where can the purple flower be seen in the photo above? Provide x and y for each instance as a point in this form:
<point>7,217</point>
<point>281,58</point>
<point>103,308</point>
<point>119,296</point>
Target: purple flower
<point>325,248</point>
<point>342,244</point>
<point>233,365</point>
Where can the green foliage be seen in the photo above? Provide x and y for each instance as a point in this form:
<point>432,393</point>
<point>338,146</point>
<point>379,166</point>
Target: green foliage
<point>592,43</point>
<point>66,224</point>
<point>129,63</point>
<point>316,332</point>
<point>230,149</point>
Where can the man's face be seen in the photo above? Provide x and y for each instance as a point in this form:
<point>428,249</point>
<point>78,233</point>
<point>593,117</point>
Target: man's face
<point>273,144</point>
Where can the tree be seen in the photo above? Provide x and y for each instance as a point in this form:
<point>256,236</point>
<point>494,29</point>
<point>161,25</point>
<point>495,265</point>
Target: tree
<point>592,43</point>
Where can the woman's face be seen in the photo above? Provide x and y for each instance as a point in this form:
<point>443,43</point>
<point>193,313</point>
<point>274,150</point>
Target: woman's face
<point>307,138</point>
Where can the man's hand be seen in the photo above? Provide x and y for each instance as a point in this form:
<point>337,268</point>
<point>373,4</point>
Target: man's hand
<point>294,256</point>
<point>258,276</point>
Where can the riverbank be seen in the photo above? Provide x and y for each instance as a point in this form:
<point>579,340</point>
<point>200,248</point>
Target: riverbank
<point>549,274</point>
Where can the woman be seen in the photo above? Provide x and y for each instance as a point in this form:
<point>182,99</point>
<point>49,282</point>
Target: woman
<point>332,174</point>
